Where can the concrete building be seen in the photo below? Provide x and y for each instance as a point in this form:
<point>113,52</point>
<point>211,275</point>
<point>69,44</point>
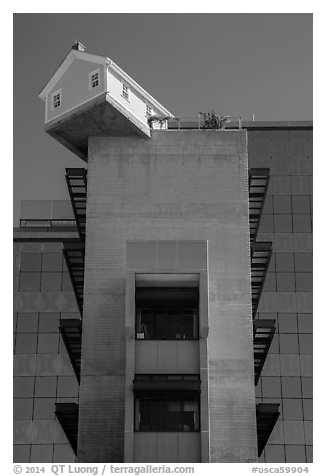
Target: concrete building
<point>167,267</point>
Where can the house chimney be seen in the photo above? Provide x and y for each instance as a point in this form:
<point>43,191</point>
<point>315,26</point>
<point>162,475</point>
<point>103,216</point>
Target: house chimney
<point>78,46</point>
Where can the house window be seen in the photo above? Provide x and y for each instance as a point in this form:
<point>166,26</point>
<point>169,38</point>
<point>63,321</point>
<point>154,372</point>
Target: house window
<point>94,79</point>
<point>125,91</point>
<point>164,313</point>
<point>56,99</point>
<point>148,111</point>
<point>166,414</point>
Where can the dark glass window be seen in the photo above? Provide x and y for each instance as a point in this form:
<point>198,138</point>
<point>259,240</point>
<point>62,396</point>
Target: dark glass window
<point>268,204</point>
<point>274,454</point>
<point>285,282</point>
<point>266,224</point>
<point>291,387</point>
<point>41,453</point>
<point>23,387</point>
<point>283,223</point>
<point>51,281</point>
<point>23,408</point>
<point>29,281</point>
<point>303,262</point>
<point>307,387</point>
<point>301,204</point>
<point>295,454</point>
<point>27,322</point>
<point>270,282</point>
<point>49,321</point>
<point>45,386</point>
<point>300,185</point>
<point>281,185</point>
<point>305,342</point>
<point>284,262</point>
<point>46,364</point>
<point>167,314</point>
<point>289,344</point>
<point>52,262</point>
<point>301,223</point>
<point>307,408</point>
<point>166,414</point>
<point>63,454</point>
<point>26,343</point>
<point>292,409</point>
<point>271,387</point>
<point>67,387</point>
<point>305,323</point>
<point>303,281</point>
<point>287,323</point>
<point>48,343</point>
<point>282,204</point>
<point>21,453</point>
<point>30,262</point>
<point>66,282</point>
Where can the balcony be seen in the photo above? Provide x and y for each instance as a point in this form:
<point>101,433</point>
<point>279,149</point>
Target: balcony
<point>74,254</point>
<point>266,415</point>
<point>76,179</point>
<point>71,332</point>
<point>264,330</point>
<point>261,253</point>
<point>67,415</point>
<point>258,184</point>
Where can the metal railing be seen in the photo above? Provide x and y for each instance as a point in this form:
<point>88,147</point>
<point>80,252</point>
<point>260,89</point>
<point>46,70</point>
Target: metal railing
<point>47,223</point>
<point>173,123</point>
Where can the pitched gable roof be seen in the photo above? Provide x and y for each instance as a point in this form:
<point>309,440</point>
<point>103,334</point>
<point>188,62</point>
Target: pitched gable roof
<point>92,58</point>
<point>73,54</point>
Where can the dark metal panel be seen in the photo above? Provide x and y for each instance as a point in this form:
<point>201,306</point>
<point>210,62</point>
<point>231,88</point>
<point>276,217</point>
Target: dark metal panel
<point>157,385</point>
<point>266,415</point>
<point>67,415</point>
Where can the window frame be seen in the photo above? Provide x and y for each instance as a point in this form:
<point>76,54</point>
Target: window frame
<point>125,91</point>
<point>91,86</point>
<point>165,309</point>
<point>152,397</point>
<point>58,92</point>
<point>148,110</point>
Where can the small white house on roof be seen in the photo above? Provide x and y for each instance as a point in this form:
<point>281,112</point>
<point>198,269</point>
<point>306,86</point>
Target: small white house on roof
<point>89,95</point>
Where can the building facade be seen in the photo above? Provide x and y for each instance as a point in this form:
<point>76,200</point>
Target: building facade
<point>170,330</point>
<point>286,149</point>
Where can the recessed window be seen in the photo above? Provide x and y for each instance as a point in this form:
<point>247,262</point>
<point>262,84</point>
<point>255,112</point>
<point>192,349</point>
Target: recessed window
<point>125,91</point>
<point>167,313</point>
<point>94,79</point>
<point>148,111</point>
<point>166,414</point>
<point>56,99</point>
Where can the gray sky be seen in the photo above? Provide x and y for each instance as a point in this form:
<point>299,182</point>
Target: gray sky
<point>236,64</point>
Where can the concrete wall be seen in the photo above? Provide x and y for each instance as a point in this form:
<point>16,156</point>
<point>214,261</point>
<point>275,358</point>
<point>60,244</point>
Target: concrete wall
<point>74,86</point>
<point>166,357</point>
<point>167,447</point>
<point>166,258</point>
<point>180,185</point>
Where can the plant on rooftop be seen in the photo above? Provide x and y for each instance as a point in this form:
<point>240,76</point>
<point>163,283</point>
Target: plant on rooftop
<point>213,121</point>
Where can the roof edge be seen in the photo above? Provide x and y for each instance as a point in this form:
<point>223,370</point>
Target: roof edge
<point>137,86</point>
